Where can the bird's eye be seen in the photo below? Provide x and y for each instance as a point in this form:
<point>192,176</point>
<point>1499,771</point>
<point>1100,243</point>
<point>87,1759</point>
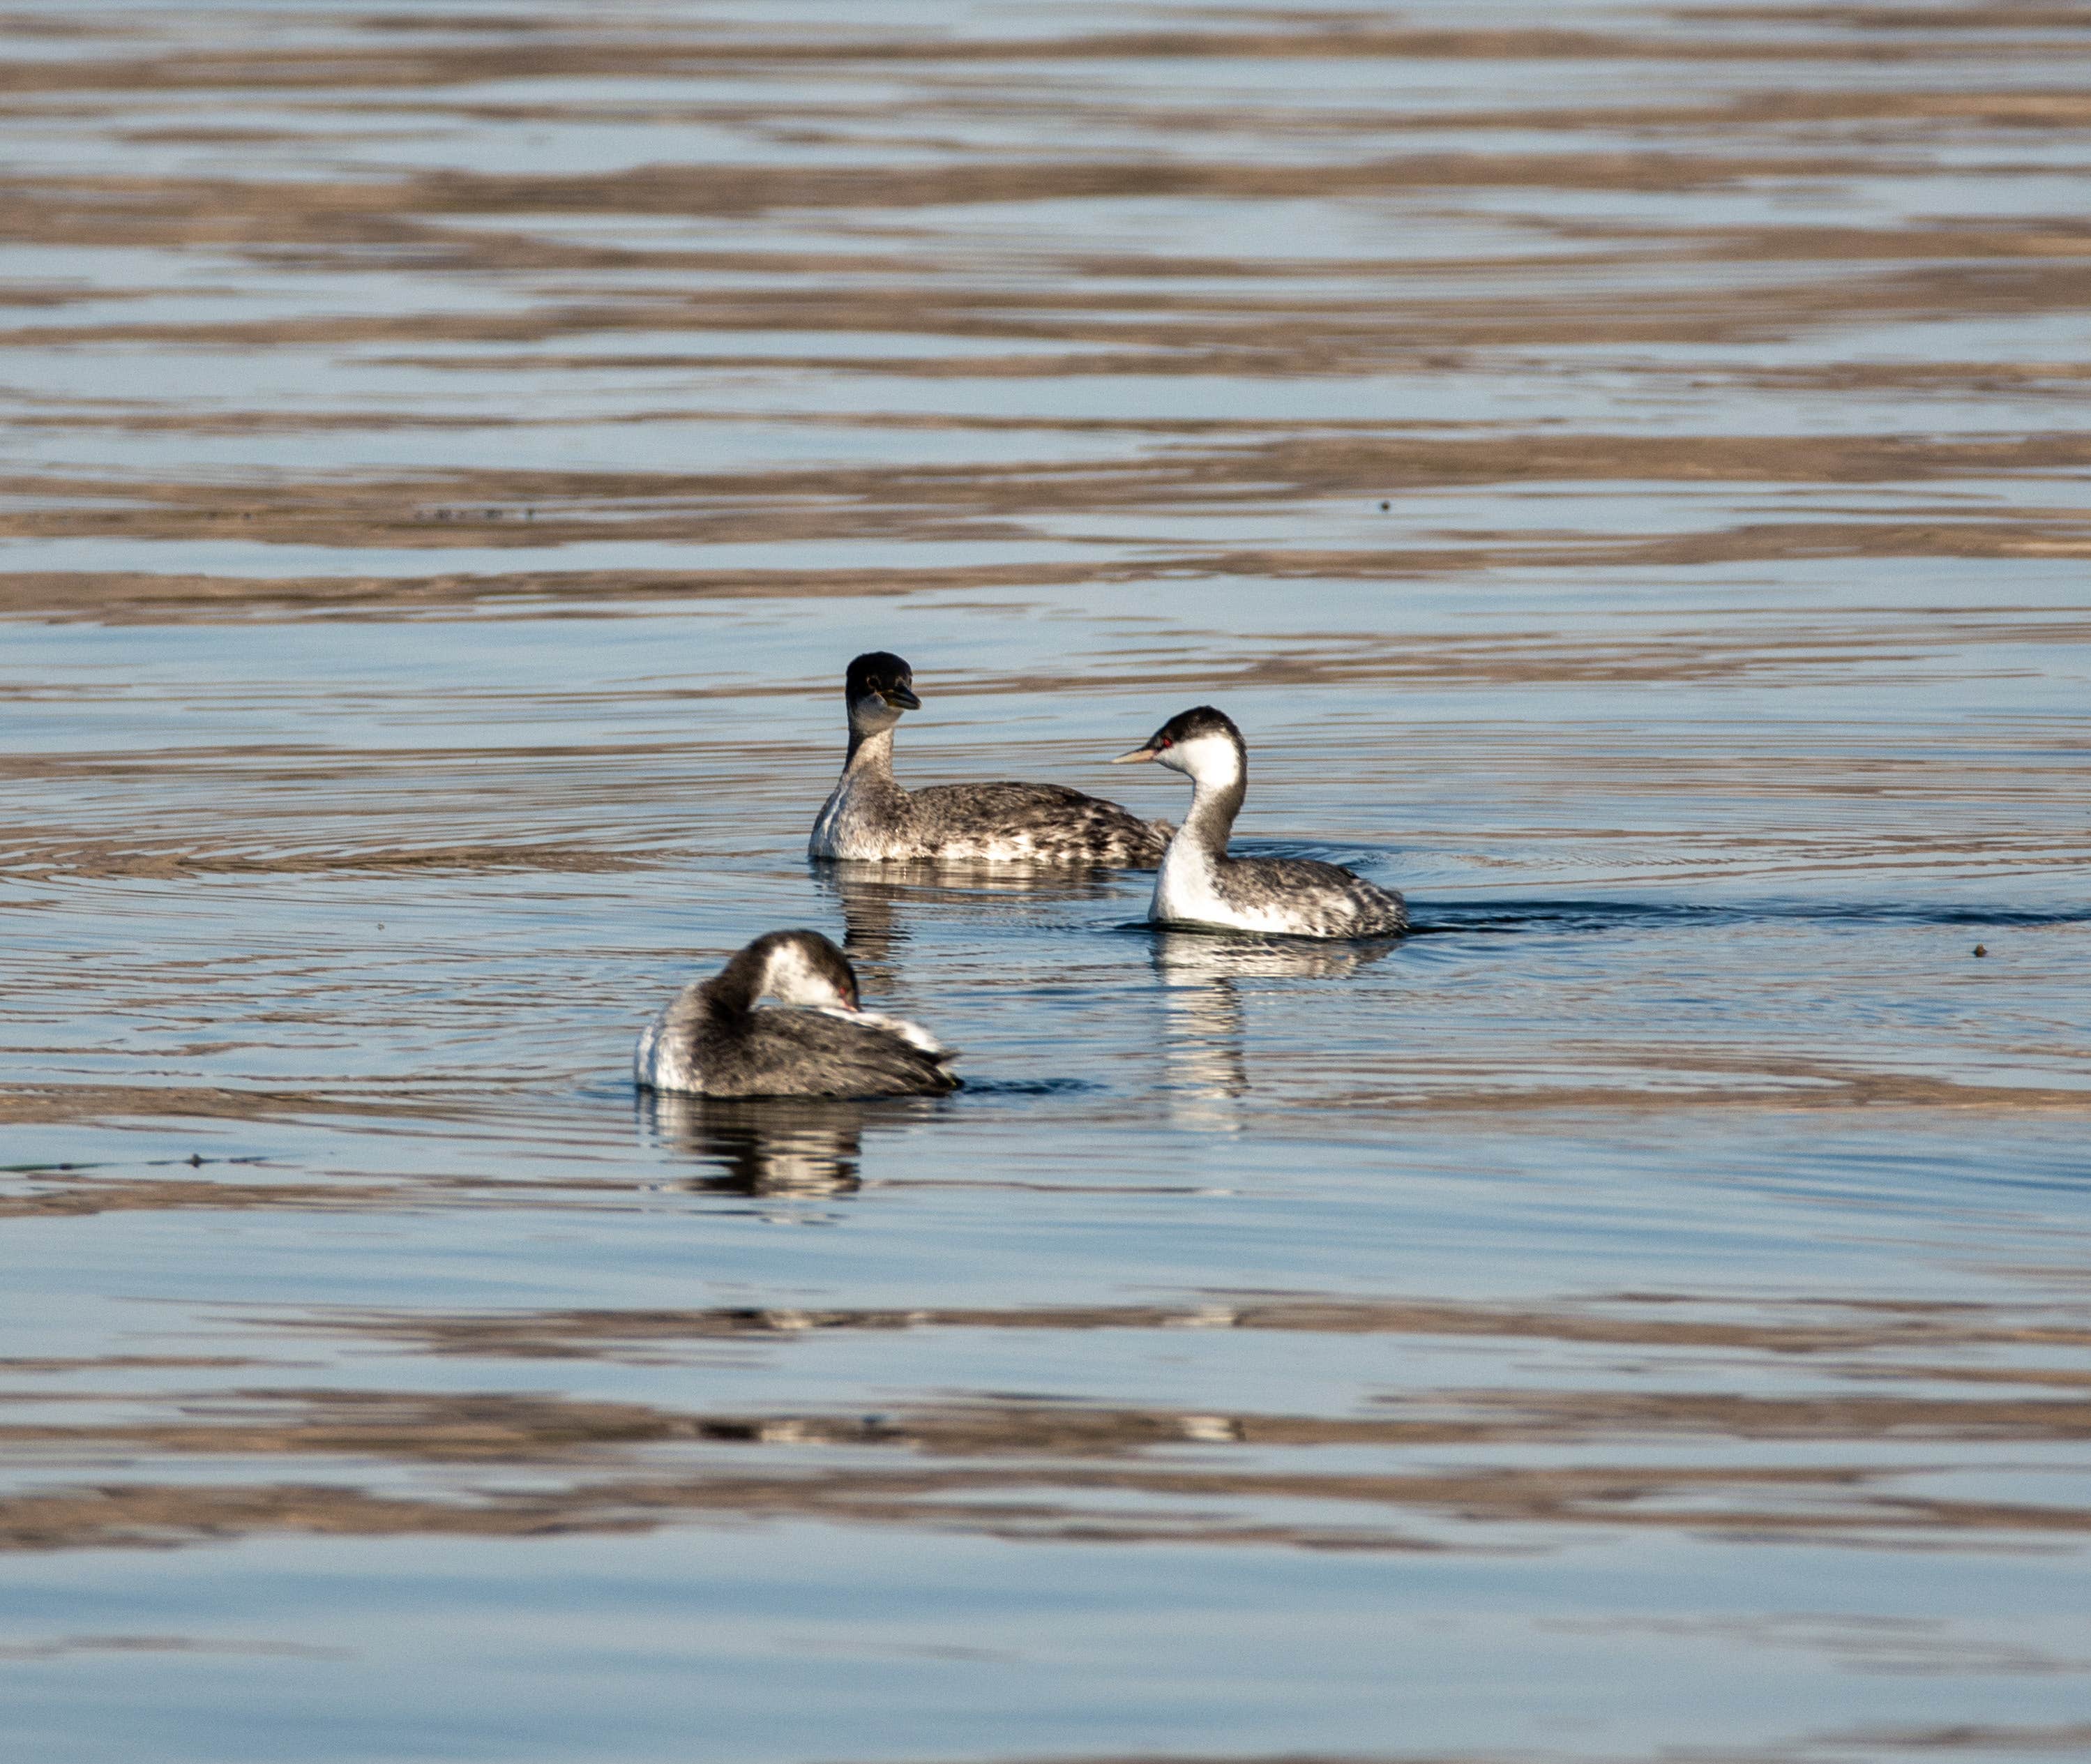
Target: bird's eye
<point>1166,742</point>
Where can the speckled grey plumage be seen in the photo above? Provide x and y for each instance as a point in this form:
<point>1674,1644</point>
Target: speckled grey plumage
<point>782,1050</point>
<point>712,1041</point>
<point>1310,898</point>
<point>870,815</point>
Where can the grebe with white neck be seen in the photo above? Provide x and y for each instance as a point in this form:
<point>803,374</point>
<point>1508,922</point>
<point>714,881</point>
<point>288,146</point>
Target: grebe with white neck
<point>870,815</point>
<point>817,1041</point>
<point>1199,884</point>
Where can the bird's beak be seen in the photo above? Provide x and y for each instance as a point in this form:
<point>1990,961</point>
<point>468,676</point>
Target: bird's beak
<point>1137,753</point>
<point>902,698</point>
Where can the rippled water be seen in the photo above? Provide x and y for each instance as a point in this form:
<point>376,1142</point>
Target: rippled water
<point>1625,470</point>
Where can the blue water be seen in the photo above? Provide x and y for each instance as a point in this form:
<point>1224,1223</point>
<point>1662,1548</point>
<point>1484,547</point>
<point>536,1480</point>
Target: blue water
<point>1640,1315</point>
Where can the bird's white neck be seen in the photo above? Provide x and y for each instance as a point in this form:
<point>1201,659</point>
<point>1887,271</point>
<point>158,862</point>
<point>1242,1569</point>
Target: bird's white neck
<point>1219,771</point>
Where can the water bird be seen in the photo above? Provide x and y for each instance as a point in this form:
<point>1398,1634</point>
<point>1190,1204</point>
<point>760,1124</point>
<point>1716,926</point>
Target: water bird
<point>1199,884</point>
<point>816,1041</point>
<point>870,815</point>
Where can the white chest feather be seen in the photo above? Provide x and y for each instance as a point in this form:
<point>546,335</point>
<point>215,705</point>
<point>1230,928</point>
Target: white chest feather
<point>1186,891</point>
<point>861,821</point>
<point>662,1060</point>
<point>1184,888</point>
<point>657,1062</point>
<point>833,828</point>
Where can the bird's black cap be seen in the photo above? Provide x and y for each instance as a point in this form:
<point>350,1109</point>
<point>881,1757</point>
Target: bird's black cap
<point>884,673</point>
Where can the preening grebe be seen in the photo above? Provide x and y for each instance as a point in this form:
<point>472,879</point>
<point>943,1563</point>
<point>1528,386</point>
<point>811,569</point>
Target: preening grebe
<point>868,814</point>
<point>1199,884</point>
<point>816,1041</point>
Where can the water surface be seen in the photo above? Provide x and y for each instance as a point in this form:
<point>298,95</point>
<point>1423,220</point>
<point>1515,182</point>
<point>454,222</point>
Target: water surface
<point>1624,468</point>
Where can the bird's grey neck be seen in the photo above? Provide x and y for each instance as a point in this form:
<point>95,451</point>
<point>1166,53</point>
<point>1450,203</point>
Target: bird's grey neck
<point>733,990</point>
<point>1214,807</point>
<point>870,752</point>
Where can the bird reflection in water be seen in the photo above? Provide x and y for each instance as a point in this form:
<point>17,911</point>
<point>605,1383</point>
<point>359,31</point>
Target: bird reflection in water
<point>776,1147</point>
<point>878,899</point>
<point>1208,1066</point>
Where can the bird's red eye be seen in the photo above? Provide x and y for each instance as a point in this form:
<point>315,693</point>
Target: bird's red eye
<point>1164,742</point>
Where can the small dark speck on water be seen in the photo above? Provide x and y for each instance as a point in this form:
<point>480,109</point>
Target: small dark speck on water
<point>1385,506</point>
<point>1981,949</point>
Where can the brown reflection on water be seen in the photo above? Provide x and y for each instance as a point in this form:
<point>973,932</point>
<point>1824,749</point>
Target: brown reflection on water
<point>861,205</point>
<point>1983,1739</point>
<point>1893,1401</point>
<point>1810,1328</point>
<point>1596,455</point>
<point>1902,1394</point>
<point>529,514</point>
<point>1043,1469</point>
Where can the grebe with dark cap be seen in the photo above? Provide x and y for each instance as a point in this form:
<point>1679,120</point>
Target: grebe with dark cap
<point>817,1040</point>
<point>870,815</point>
<point>1199,884</point>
